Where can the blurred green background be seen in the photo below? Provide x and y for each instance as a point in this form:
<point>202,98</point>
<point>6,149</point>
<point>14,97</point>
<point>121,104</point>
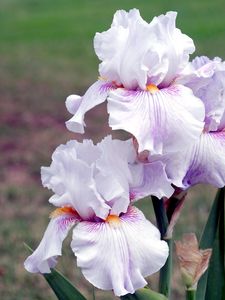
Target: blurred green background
<point>46,53</point>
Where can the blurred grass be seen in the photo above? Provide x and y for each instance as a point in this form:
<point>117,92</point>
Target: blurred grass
<point>46,53</point>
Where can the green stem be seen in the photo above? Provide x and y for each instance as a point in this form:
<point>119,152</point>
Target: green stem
<point>190,294</point>
<point>166,270</point>
<point>160,214</point>
<point>93,292</point>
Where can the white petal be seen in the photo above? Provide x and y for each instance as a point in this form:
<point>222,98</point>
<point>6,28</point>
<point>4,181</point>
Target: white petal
<point>153,180</point>
<point>72,180</point>
<point>172,47</point>
<point>45,256</point>
<point>207,80</point>
<point>161,122</point>
<point>72,103</point>
<point>118,255</point>
<point>95,95</point>
<point>134,53</point>
<point>114,174</point>
<point>204,162</point>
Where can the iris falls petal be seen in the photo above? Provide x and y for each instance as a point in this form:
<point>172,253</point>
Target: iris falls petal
<point>202,162</point>
<point>161,121</point>
<point>96,94</point>
<point>45,256</point>
<point>117,254</point>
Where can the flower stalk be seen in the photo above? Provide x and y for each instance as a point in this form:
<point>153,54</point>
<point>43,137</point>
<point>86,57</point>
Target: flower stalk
<point>162,222</point>
<point>191,294</point>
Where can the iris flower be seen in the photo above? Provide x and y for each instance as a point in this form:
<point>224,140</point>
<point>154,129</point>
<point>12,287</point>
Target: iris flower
<point>93,185</point>
<point>139,64</point>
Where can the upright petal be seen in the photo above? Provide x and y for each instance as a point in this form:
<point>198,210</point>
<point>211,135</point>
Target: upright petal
<point>117,254</point>
<point>162,121</point>
<point>114,175</point>
<point>95,95</point>
<point>71,177</point>
<point>134,53</point>
<point>45,256</point>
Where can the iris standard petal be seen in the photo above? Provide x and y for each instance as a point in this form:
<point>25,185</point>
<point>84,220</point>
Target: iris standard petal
<point>45,256</point>
<point>95,95</point>
<point>117,254</point>
<point>135,53</point>
<point>72,180</point>
<point>162,121</point>
<point>203,162</point>
<point>114,177</point>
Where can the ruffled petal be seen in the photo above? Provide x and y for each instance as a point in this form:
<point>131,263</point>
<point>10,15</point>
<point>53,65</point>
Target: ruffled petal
<point>72,180</point>
<point>151,179</point>
<point>95,95</point>
<point>206,78</point>
<point>117,254</point>
<point>134,53</point>
<point>161,122</point>
<point>114,176</point>
<point>171,47</point>
<point>203,162</point>
<point>45,256</point>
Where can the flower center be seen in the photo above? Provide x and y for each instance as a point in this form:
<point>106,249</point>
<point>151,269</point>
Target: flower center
<point>113,220</point>
<point>152,88</point>
<point>63,210</point>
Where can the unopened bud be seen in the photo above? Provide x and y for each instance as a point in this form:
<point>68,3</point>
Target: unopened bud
<point>193,261</point>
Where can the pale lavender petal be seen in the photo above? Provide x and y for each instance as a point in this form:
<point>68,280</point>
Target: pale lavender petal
<point>207,80</point>
<point>153,180</point>
<point>72,180</point>
<point>114,176</point>
<point>117,254</point>
<point>45,256</point>
<point>95,95</point>
<point>135,53</point>
<point>203,162</point>
<point>72,103</point>
<point>161,122</point>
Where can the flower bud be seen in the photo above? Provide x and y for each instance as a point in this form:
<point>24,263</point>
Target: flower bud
<point>193,261</point>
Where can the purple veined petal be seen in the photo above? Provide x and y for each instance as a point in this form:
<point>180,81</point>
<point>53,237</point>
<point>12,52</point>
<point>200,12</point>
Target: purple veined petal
<point>162,121</point>
<point>153,180</point>
<point>45,256</point>
<point>202,162</point>
<point>72,180</point>
<point>117,254</point>
<point>95,95</point>
<point>208,161</point>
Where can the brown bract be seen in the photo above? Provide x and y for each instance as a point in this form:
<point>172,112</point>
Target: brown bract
<point>193,261</point>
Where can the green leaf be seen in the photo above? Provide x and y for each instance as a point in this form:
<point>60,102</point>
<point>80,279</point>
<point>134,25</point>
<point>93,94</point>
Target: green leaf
<point>144,294</point>
<point>208,237</point>
<point>216,272</point>
<point>61,286</point>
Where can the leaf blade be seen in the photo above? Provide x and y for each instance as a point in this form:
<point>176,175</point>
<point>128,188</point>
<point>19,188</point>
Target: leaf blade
<point>144,294</point>
<point>62,287</point>
<point>208,238</point>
